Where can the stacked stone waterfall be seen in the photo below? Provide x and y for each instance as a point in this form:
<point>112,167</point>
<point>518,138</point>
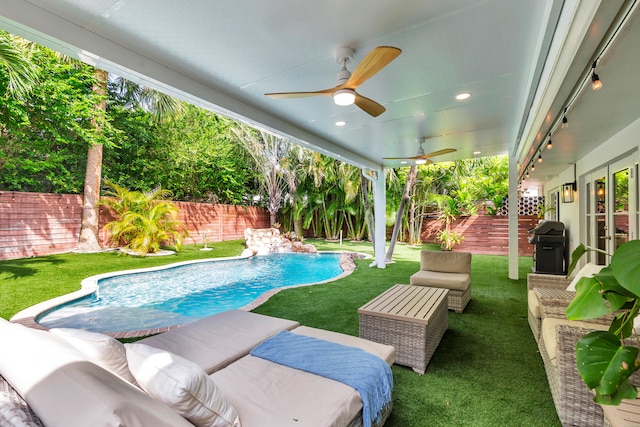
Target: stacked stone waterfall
<point>262,241</point>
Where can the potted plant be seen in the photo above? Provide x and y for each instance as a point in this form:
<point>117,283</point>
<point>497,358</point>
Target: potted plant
<point>604,360</point>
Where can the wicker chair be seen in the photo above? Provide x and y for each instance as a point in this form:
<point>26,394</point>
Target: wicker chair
<point>449,270</point>
<point>557,338</point>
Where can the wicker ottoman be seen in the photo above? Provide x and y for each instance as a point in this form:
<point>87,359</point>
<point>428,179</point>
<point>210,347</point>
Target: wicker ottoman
<point>413,319</point>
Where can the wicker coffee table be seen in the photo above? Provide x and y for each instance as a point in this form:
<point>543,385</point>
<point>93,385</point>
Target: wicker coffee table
<point>413,319</point>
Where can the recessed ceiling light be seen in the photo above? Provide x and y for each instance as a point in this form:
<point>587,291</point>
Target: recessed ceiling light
<point>404,162</point>
<point>462,96</point>
<point>476,153</point>
<point>341,123</point>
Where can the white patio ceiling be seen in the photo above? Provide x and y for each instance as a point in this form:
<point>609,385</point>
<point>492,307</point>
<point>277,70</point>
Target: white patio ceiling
<point>226,55</point>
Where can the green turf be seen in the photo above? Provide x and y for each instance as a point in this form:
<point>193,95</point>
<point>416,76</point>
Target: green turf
<point>486,371</point>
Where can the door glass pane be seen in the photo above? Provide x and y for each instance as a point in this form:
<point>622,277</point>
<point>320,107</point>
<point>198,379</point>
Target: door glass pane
<point>601,219</point>
<point>621,206</point>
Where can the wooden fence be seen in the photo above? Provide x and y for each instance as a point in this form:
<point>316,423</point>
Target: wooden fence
<point>34,224</point>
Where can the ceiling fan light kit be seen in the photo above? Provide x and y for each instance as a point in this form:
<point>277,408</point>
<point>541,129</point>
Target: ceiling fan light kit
<point>344,97</point>
<point>344,93</point>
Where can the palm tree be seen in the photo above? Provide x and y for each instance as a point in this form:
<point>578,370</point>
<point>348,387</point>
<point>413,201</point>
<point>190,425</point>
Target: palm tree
<point>15,59</point>
<point>146,219</point>
<point>132,94</point>
<point>271,156</point>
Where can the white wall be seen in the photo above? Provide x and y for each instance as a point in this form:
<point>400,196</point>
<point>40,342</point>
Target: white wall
<point>623,144</point>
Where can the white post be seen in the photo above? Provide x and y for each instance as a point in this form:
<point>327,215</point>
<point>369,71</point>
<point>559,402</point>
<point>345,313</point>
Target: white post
<point>380,210</point>
<point>513,217</point>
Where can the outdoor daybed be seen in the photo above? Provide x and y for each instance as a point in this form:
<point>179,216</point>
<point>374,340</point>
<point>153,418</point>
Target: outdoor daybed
<point>204,372</point>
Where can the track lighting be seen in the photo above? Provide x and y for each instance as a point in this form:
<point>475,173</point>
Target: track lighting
<point>549,144</point>
<point>596,84</point>
<point>540,158</point>
<point>533,167</point>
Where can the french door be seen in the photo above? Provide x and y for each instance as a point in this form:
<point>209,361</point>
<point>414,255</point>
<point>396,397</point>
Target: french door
<point>612,208</point>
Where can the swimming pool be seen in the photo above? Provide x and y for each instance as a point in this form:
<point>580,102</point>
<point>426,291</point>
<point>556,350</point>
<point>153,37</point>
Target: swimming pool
<point>174,295</point>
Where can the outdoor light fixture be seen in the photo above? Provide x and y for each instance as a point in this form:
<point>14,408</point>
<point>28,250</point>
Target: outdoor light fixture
<point>344,97</point>
<point>549,144</point>
<point>539,158</point>
<point>596,84</point>
<point>565,122</point>
<point>569,189</point>
<point>567,192</point>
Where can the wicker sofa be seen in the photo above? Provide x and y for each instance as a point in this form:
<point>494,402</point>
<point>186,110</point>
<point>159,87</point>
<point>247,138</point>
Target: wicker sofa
<point>449,270</point>
<point>557,338</point>
<point>57,379</point>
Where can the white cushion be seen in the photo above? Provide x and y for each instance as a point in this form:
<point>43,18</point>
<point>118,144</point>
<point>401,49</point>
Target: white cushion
<point>534,304</point>
<point>587,271</point>
<point>550,333</point>
<point>65,389</point>
<point>101,349</point>
<point>182,385</point>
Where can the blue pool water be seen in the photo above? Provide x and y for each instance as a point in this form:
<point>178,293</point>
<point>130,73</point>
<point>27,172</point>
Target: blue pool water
<point>185,293</point>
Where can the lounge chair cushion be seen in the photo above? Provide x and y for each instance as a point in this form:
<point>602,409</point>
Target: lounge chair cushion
<point>437,279</point>
<point>383,351</point>
<point>217,341</point>
<point>549,333</point>
<point>65,389</point>
<point>103,350</point>
<point>446,261</point>
<point>181,385</point>
<point>271,395</point>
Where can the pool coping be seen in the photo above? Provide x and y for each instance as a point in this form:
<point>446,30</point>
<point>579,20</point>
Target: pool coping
<point>89,285</point>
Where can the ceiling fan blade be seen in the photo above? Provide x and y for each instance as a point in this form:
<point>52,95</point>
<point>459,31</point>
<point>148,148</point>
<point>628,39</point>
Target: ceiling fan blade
<point>369,106</point>
<point>439,153</point>
<point>375,61</point>
<point>288,95</point>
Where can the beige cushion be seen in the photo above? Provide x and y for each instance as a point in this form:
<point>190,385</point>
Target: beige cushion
<point>445,261</point>
<point>267,394</point>
<point>587,271</point>
<point>534,304</point>
<point>101,349</point>
<point>66,390</point>
<point>549,333</point>
<point>181,385</point>
<point>383,351</point>
<point>454,281</point>
<point>216,341</point>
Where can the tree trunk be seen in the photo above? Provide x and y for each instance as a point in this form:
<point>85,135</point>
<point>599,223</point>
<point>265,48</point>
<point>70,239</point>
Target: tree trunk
<point>405,197</point>
<point>368,214</point>
<point>88,241</point>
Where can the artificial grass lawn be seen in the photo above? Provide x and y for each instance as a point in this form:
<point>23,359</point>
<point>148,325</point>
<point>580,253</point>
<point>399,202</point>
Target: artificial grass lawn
<point>486,371</point>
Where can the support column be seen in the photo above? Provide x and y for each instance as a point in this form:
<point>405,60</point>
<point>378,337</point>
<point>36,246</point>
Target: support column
<point>513,217</point>
<point>380,210</point>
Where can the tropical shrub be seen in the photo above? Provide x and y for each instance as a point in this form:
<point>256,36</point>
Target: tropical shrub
<point>146,219</point>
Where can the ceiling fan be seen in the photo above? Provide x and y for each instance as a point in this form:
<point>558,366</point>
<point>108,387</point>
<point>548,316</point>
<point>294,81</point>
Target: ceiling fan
<point>344,93</point>
<point>421,158</point>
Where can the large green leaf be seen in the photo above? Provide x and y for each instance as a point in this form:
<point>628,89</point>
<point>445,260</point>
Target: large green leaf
<point>588,302</point>
<point>605,366</point>
<point>625,264</point>
<point>575,257</point>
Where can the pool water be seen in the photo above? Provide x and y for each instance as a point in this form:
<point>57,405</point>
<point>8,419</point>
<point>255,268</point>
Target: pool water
<point>182,294</point>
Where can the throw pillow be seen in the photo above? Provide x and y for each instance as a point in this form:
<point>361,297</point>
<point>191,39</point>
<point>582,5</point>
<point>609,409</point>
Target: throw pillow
<point>182,385</point>
<point>103,350</point>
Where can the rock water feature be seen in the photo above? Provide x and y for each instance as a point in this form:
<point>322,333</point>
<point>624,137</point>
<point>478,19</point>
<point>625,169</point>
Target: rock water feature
<point>262,241</point>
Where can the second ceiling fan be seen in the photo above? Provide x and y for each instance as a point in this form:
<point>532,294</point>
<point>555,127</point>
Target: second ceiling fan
<point>344,93</point>
<point>421,157</point>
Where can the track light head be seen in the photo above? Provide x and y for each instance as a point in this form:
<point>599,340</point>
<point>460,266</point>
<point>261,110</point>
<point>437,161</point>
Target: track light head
<point>539,158</point>
<point>596,84</point>
<point>549,144</point>
<point>565,122</point>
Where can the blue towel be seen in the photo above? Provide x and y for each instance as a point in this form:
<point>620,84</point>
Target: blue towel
<point>367,373</point>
